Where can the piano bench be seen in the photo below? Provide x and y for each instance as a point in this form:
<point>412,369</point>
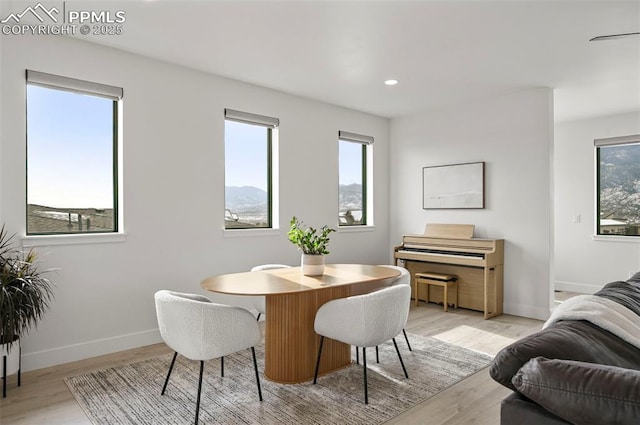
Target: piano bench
<point>438,279</point>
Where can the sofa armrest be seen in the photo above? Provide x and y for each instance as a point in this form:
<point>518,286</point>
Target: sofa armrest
<point>570,340</point>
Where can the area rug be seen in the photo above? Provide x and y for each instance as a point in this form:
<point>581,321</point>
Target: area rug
<point>130,394</point>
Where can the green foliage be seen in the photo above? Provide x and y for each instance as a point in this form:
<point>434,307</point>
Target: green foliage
<point>24,293</point>
<point>309,240</point>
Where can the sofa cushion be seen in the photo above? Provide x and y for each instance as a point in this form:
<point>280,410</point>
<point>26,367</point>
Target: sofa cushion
<point>582,393</point>
<point>569,340</point>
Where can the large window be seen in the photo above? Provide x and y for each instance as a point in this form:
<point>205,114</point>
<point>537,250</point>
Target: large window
<point>249,162</point>
<point>354,151</point>
<point>618,186</point>
<point>72,155</point>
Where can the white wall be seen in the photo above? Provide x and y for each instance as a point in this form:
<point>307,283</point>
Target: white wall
<point>583,264</point>
<point>513,135</point>
<point>173,191</point>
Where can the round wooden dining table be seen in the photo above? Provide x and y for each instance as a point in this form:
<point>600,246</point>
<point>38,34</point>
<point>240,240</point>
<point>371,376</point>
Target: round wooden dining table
<point>292,300</point>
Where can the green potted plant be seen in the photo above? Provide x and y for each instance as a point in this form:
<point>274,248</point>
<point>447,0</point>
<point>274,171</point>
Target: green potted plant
<point>25,295</point>
<point>312,243</point>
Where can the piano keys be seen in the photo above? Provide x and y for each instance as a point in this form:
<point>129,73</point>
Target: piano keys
<point>452,249</point>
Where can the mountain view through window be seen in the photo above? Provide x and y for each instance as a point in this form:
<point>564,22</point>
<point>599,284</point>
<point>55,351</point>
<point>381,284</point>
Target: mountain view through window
<point>619,190</point>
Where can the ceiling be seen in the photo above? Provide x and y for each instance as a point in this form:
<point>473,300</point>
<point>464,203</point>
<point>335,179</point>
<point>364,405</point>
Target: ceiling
<point>444,53</point>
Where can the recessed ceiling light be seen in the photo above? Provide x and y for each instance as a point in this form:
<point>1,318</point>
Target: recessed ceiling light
<point>391,82</point>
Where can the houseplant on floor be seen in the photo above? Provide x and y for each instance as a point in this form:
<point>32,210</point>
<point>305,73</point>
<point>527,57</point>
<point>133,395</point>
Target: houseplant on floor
<point>312,243</point>
<point>25,295</point>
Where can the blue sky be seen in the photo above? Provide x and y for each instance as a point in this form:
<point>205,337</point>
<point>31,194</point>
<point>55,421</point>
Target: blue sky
<point>245,155</point>
<point>350,167</point>
<point>70,149</point>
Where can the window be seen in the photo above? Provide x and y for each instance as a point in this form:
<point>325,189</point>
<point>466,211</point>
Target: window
<point>354,152</point>
<point>249,166</point>
<point>618,186</point>
<point>72,155</point>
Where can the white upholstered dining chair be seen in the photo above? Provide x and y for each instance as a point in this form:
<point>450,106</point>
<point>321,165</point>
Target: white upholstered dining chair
<point>199,329</point>
<point>259,302</point>
<point>403,279</point>
<point>364,321</point>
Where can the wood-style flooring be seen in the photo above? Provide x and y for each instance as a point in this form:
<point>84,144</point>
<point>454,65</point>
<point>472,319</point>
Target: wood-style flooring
<point>44,398</point>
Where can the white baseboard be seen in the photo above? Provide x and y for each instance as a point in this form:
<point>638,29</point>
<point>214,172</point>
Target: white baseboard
<point>583,288</point>
<point>85,350</point>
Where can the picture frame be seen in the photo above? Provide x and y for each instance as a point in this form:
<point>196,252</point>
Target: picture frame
<point>453,186</point>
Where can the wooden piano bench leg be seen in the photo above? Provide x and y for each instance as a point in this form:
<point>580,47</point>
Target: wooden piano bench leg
<point>446,296</point>
<point>455,304</point>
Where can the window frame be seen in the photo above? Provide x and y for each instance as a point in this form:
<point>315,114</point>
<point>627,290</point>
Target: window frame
<point>366,142</point>
<point>604,143</point>
<point>87,88</point>
<point>271,124</point>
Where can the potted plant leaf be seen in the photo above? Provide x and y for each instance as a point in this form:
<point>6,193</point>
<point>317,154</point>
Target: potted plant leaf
<point>312,243</point>
<point>25,295</point>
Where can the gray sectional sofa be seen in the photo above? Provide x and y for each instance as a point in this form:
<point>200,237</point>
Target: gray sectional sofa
<point>574,371</point>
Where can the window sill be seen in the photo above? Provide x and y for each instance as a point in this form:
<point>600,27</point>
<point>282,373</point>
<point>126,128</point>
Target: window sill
<point>243,233</point>
<point>77,239</point>
<point>355,229</point>
<point>616,238</point>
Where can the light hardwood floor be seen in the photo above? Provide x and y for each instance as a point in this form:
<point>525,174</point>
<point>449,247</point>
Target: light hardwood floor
<point>45,399</point>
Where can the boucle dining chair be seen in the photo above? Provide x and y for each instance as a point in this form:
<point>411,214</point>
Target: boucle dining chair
<point>403,279</point>
<point>364,321</point>
<point>259,302</point>
<point>199,329</point>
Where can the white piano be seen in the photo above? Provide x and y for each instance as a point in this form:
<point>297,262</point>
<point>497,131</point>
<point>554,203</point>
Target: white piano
<point>452,249</point>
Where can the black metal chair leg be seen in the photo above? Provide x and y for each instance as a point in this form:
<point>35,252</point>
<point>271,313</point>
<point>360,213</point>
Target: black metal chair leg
<point>166,381</point>
<point>199,391</point>
<point>19,363</point>
<point>315,375</point>
<point>364,363</point>
<point>400,357</point>
<point>377,355</point>
<point>258,318</point>
<point>406,339</point>
<point>255,366</point>
<point>4,376</point>
<point>222,366</point>
<point>357,355</point>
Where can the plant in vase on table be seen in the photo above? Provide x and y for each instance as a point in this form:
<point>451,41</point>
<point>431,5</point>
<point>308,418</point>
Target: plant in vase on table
<point>312,243</point>
<point>25,295</point>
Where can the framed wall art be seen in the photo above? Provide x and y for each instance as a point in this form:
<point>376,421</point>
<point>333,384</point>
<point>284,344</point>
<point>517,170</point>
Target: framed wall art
<point>453,186</point>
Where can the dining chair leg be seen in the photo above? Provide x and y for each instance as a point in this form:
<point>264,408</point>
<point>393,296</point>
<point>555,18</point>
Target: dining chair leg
<point>258,318</point>
<point>255,366</point>
<point>166,381</point>
<point>400,357</point>
<point>377,355</point>
<point>406,339</point>
<point>4,376</point>
<point>357,355</point>
<point>315,375</point>
<point>222,366</point>
<point>364,363</point>
<point>199,391</point>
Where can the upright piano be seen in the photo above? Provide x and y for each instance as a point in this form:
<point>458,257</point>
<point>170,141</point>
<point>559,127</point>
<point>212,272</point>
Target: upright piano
<point>452,249</point>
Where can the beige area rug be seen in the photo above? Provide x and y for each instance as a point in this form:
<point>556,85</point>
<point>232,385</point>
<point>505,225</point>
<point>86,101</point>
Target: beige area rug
<point>130,394</point>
